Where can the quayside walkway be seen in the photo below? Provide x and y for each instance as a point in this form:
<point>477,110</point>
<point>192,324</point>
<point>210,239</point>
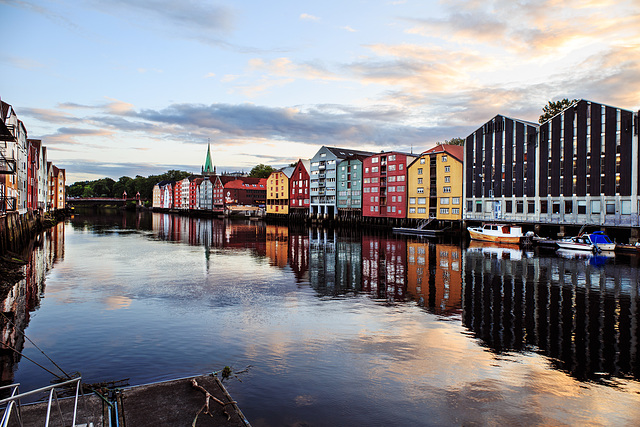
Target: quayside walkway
<point>168,403</point>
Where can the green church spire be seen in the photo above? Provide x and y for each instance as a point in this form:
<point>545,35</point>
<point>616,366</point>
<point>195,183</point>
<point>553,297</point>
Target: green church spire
<point>208,164</point>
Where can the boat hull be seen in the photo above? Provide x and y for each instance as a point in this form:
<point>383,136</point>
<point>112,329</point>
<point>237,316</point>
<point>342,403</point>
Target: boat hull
<point>483,237</point>
<point>575,246</point>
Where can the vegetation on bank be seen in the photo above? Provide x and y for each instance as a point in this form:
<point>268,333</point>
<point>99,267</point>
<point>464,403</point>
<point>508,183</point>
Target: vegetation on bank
<point>107,187</point>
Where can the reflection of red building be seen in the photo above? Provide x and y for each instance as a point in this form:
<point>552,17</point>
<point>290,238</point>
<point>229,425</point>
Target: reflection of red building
<point>299,254</point>
<point>383,266</point>
<point>434,276</point>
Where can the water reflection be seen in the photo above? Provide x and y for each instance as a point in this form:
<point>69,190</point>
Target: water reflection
<point>579,309</point>
<point>19,300</point>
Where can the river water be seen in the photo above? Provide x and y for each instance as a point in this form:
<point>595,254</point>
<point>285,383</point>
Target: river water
<point>337,328</point>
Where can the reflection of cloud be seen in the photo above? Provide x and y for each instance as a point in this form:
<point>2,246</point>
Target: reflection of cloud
<point>116,302</point>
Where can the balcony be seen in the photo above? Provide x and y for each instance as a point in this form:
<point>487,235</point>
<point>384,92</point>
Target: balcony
<point>7,166</point>
<point>322,175</point>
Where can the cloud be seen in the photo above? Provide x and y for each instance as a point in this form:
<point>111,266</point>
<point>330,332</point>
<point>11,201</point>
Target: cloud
<point>50,116</point>
<point>349,29</point>
<point>85,169</point>
<point>197,15</point>
<point>209,75</point>
<point>307,17</point>
<point>20,62</point>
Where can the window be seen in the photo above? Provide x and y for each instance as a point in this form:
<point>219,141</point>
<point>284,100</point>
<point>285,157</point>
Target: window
<point>555,208</point>
<point>374,169</point>
<point>611,208</point>
<point>420,190</point>
<point>469,205</point>
<point>447,179</point>
<point>422,160</point>
<point>625,206</point>
<point>422,200</point>
<point>595,206</point>
<point>444,158</point>
<point>374,160</point>
<point>446,189</point>
<point>422,210</point>
<point>366,170</point>
<point>455,201</point>
<point>419,171</point>
<point>478,207</point>
<point>568,206</point>
<point>544,208</point>
<point>412,210</point>
<point>455,211</point>
<point>447,169</point>
<point>444,211</point>
<point>531,207</point>
<point>412,200</point>
<point>392,168</point>
<point>392,157</point>
<point>419,180</point>
<point>508,206</point>
<point>444,200</point>
<point>582,207</point>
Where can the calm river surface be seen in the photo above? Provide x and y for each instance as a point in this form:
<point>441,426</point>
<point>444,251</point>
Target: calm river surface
<point>339,328</point>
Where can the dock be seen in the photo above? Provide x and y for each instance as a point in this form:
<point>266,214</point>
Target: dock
<point>168,403</point>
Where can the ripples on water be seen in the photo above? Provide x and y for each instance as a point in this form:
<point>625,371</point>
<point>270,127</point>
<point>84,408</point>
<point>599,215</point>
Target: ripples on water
<point>340,328</point>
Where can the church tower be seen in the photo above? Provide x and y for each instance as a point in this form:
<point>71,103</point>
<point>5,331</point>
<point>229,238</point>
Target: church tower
<point>208,169</point>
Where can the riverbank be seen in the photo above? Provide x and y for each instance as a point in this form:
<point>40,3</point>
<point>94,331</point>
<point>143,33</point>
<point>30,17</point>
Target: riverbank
<point>17,230</point>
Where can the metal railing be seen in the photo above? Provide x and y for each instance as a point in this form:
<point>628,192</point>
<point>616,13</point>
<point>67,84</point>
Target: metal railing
<point>13,402</point>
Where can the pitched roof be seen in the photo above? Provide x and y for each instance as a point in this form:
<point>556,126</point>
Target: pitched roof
<point>208,164</point>
<point>456,151</point>
<point>346,152</point>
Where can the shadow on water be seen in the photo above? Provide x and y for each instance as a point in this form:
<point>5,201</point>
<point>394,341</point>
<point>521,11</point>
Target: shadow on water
<point>579,309</point>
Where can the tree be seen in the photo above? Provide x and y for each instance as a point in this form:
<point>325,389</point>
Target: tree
<point>452,141</point>
<point>553,108</point>
<point>261,171</point>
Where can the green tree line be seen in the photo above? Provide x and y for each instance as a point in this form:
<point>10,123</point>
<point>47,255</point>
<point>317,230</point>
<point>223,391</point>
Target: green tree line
<point>107,187</point>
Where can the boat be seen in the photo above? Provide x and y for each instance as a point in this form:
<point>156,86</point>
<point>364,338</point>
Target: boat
<point>498,233</point>
<point>602,241</point>
<point>628,248</point>
<point>577,243</point>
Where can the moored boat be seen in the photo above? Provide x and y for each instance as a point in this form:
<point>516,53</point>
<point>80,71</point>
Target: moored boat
<point>577,243</point>
<point>498,233</point>
<point>601,241</point>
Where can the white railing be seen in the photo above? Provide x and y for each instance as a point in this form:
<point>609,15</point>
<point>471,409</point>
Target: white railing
<point>12,403</point>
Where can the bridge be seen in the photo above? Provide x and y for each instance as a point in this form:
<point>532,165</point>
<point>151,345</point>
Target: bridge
<point>101,201</point>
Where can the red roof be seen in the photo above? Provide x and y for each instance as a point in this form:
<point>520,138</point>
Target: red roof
<point>245,183</point>
<point>456,151</point>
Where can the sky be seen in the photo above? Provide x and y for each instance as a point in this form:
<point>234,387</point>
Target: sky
<point>138,87</point>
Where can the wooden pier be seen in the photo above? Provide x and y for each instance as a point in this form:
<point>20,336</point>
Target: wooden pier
<point>168,403</point>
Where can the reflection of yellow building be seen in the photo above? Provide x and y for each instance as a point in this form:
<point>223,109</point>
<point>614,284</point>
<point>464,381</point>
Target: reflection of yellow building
<point>277,244</point>
<point>278,192</point>
<point>434,184</point>
<point>443,291</point>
